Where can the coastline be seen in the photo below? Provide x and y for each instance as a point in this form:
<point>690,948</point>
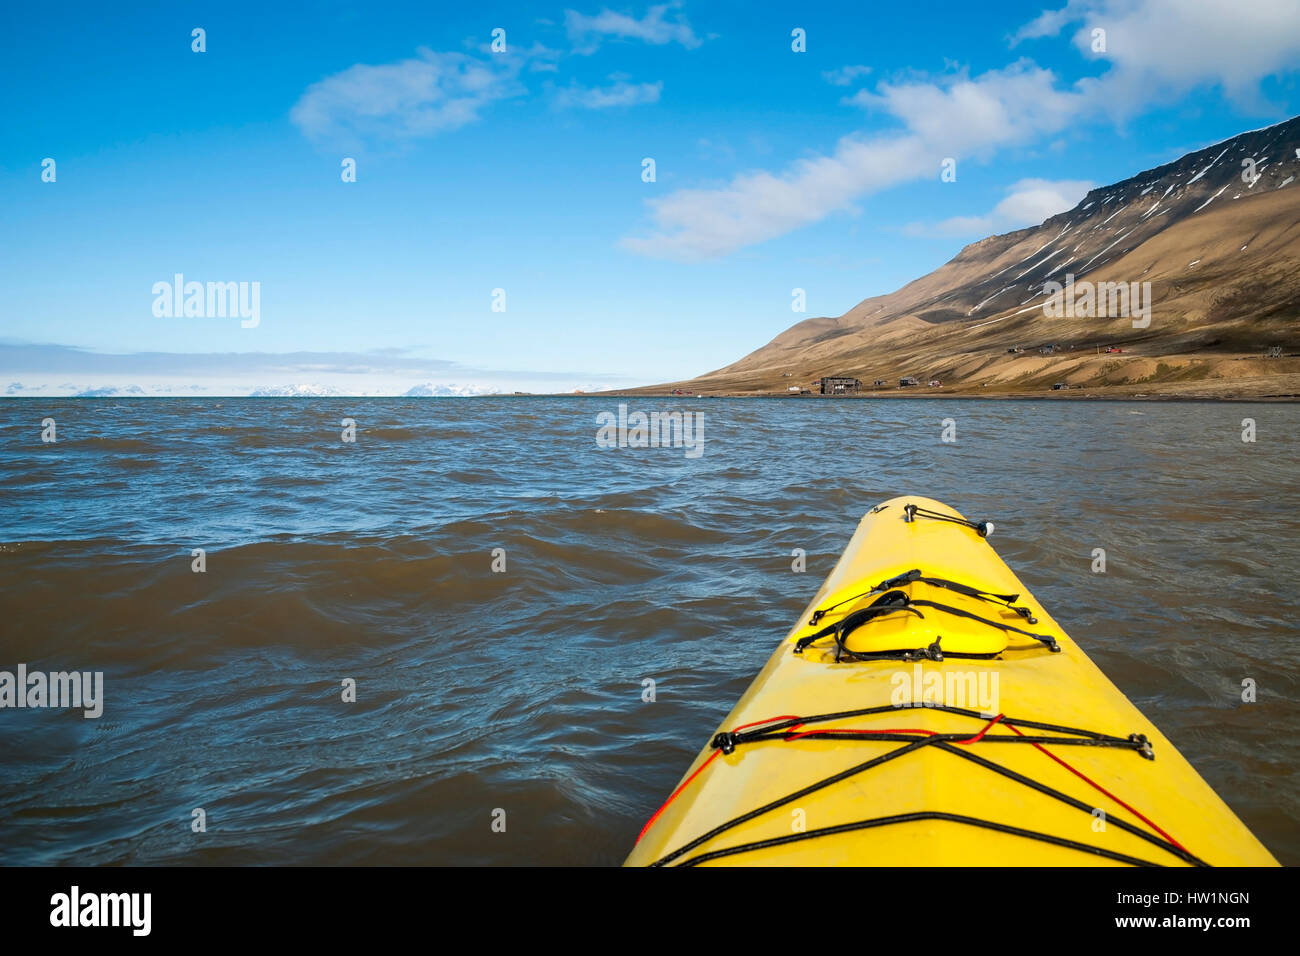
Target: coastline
<point>1071,377</point>
<point>651,392</point>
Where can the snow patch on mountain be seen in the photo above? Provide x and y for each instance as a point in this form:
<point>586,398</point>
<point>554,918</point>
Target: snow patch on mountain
<point>438,390</point>
<point>295,391</point>
<point>111,391</point>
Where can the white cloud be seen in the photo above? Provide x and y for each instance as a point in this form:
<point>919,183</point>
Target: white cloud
<point>845,75</point>
<point>1157,52</point>
<point>435,92</point>
<point>695,224</point>
<point>1031,201</point>
<point>1049,23</point>
<point>958,227</point>
<point>414,98</point>
<point>962,116</point>
<point>1027,203</point>
<point>619,93</point>
<point>587,32</point>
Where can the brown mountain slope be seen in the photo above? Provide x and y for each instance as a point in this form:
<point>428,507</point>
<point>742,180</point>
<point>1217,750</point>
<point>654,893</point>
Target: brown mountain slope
<point>1221,254</point>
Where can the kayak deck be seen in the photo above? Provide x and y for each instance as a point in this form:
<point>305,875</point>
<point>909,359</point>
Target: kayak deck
<point>925,762</point>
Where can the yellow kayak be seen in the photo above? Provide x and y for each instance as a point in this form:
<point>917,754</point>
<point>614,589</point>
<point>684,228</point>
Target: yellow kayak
<point>926,710</point>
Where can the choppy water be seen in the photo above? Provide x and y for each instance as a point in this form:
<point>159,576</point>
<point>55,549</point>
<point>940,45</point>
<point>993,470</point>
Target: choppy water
<point>522,690</point>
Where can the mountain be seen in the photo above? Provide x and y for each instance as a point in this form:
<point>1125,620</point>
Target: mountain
<point>109,391</point>
<point>295,391</point>
<point>429,390</point>
<point>310,390</point>
<point>1217,237</point>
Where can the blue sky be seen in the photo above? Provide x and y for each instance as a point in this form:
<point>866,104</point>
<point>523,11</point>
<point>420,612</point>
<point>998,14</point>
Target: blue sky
<point>522,171</point>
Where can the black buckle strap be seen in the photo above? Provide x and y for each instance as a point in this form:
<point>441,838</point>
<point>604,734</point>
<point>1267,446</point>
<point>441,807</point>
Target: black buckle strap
<point>934,653</point>
<point>912,512</point>
<point>1045,639</point>
<point>887,603</point>
<point>908,577</point>
<point>725,741</point>
<point>895,600</point>
<point>1143,745</point>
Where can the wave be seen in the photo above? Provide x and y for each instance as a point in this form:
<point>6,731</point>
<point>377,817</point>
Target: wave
<point>521,688</point>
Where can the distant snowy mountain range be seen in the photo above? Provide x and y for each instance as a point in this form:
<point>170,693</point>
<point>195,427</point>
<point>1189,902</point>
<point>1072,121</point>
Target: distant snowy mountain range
<point>427,390</point>
<point>430,390</point>
<point>301,390</point>
<point>295,391</point>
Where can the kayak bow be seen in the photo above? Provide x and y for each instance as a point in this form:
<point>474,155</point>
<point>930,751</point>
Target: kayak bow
<point>926,710</point>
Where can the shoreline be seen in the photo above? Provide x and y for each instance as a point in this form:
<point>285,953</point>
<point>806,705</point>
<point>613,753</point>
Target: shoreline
<point>748,396</point>
<point>952,396</point>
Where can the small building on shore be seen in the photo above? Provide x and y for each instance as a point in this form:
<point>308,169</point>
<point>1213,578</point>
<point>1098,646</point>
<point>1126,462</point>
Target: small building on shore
<point>908,382</point>
<point>839,385</point>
